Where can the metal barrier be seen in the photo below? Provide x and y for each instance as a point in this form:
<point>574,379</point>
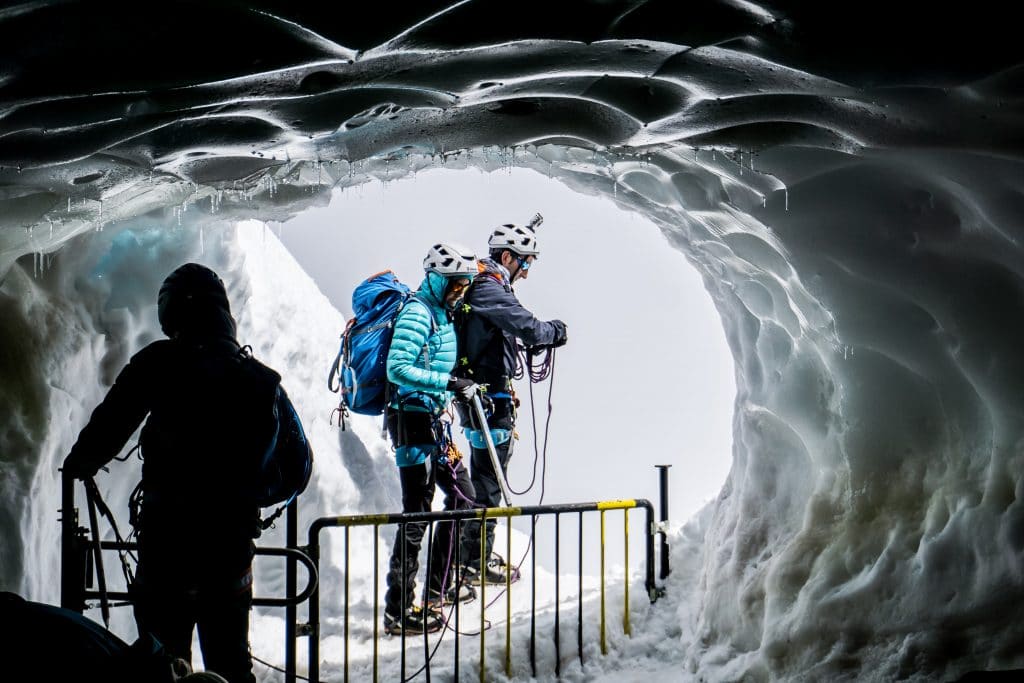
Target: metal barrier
<point>458,517</point>
<point>82,559</point>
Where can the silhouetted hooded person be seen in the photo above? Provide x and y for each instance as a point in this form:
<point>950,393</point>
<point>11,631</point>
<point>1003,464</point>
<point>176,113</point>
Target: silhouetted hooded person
<point>193,304</point>
<point>197,519</point>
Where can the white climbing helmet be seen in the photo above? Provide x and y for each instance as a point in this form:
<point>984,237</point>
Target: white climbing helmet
<point>451,260</point>
<point>521,239</point>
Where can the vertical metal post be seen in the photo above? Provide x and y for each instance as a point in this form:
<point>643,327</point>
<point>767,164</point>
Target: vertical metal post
<point>653,592</point>
<point>579,625</point>
<point>483,596</point>
<point>403,529</point>
<point>429,530</point>
<point>376,600</point>
<point>72,551</point>
<point>458,584</point>
<point>533,595</point>
<point>663,486</point>
<point>508,597</point>
<point>290,588</point>
<point>604,644</point>
<point>97,553</point>
<point>558,600</point>
<point>313,665</point>
<point>347,572</point>
<point>625,599</point>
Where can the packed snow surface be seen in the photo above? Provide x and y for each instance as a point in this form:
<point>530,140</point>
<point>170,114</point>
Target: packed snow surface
<point>846,177</point>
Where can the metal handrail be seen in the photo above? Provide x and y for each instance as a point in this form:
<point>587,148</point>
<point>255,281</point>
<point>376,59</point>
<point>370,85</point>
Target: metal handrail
<point>77,549</point>
<point>458,516</point>
<point>78,552</point>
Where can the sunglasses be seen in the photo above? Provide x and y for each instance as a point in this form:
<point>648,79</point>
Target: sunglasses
<point>458,287</point>
<point>523,263</point>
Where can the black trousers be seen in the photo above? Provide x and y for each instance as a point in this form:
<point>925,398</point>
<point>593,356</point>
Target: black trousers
<point>221,616</point>
<point>418,485</point>
<point>486,486</point>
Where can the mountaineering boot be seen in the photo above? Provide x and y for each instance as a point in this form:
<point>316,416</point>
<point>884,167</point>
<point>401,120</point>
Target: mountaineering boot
<point>416,620</point>
<point>494,573</point>
<point>460,592</point>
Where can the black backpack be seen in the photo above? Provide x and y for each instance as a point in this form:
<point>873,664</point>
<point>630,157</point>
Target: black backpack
<point>279,458</point>
<point>286,460</point>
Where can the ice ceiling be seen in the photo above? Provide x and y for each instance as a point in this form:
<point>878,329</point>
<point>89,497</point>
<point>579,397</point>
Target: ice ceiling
<point>847,178</point>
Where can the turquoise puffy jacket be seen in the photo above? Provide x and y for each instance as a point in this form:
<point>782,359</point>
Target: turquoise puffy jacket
<point>422,355</point>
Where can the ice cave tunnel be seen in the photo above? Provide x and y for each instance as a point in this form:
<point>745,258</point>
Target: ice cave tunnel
<point>846,177</point>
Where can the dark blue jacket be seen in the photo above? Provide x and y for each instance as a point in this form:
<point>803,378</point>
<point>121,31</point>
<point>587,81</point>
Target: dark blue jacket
<point>490,326</point>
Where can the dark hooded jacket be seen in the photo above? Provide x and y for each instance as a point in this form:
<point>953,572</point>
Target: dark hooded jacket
<point>197,517</point>
<point>491,321</point>
<point>49,643</point>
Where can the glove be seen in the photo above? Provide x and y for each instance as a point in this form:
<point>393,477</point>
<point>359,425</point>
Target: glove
<point>464,388</point>
<point>561,334</point>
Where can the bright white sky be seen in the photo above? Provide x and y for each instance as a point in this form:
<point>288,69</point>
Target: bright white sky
<point>646,377</point>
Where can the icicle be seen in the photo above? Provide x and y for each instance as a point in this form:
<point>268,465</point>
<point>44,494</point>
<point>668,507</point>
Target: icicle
<point>69,204</point>
<point>741,162</point>
<point>786,191</point>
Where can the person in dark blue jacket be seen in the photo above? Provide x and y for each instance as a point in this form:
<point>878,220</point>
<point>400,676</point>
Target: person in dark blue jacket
<point>492,327</point>
<point>198,518</point>
<point>419,365</point>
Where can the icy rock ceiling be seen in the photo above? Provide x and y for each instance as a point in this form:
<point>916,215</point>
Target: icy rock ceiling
<point>846,175</point>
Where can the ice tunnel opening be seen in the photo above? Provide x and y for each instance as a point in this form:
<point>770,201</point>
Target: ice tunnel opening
<point>619,405</point>
<point>648,378</point>
<point>704,213</point>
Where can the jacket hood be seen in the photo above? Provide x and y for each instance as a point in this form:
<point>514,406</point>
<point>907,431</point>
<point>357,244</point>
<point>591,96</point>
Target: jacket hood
<point>193,302</point>
<point>492,267</point>
<point>432,288</point>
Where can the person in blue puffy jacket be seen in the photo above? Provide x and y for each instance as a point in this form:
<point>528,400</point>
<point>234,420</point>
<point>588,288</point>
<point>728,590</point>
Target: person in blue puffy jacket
<point>492,326</point>
<point>420,360</point>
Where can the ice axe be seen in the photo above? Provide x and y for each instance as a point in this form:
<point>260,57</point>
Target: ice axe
<point>499,474</point>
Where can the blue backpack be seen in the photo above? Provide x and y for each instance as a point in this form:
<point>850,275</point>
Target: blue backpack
<point>360,369</point>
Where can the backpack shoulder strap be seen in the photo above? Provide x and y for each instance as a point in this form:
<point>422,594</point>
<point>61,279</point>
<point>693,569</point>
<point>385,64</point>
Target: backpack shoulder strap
<point>464,364</point>
<point>430,310</point>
